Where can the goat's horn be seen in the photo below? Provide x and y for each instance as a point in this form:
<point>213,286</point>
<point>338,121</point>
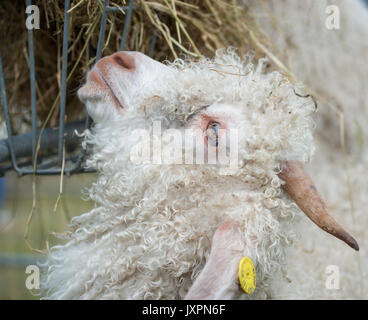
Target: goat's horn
<point>302,190</point>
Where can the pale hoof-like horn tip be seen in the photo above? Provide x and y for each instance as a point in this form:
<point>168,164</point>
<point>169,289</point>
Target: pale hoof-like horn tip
<point>343,235</point>
<point>353,243</point>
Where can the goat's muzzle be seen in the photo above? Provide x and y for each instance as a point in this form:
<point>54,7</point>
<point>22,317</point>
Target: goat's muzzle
<point>303,191</point>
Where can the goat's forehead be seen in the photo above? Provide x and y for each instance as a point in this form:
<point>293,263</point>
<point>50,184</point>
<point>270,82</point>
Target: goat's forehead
<point>225,109</point>
<point>231,113</point>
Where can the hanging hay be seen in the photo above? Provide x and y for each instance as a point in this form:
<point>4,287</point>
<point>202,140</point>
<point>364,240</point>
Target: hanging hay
<point>191,28</point>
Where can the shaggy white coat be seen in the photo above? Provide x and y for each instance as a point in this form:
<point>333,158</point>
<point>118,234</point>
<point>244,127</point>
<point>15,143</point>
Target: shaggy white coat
<point>150,233</point>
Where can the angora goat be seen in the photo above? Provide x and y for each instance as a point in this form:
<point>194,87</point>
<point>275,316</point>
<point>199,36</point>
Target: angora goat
<point>157,223</point>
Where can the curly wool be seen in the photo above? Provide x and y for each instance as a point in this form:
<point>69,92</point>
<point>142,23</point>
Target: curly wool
<point>150,233</point>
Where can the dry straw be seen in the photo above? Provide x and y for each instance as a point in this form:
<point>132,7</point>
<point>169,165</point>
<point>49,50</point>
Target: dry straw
<point>184,28</point>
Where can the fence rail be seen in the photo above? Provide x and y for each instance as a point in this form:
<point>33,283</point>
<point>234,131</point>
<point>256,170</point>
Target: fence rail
<point>8,260</point>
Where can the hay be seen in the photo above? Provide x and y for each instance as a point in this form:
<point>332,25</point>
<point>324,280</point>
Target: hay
<point>184,28</point>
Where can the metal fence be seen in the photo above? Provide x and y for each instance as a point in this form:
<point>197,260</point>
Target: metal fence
<point>27,146</point>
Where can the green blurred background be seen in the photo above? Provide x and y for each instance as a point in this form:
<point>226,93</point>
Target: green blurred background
<point>15,255</point>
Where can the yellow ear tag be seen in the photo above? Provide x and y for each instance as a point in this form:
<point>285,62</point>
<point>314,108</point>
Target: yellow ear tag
<point>247,275</point>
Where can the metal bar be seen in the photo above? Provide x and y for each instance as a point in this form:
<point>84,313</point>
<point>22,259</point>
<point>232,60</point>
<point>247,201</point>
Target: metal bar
<point>118,9</point>
<point>33,86</point>
<point>153,44</point>
<point>7,119</point>
<point>126,25</point>
<point>153,40</point>
<point>20,260</point>
<point>64,70</point>
<point>22,146</point>
<point>47,171</point>
<point>101,36</point>
<point>53,171</point>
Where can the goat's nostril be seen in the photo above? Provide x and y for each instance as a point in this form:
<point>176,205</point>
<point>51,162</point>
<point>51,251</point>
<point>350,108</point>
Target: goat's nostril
<point>124,60</point>
<point>121,62</point>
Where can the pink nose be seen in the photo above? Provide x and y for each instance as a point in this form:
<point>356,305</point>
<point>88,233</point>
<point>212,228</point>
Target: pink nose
<point>101,80</point>
<point>121,60</point>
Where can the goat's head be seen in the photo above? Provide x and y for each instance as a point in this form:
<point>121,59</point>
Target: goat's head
<point>258,120</point>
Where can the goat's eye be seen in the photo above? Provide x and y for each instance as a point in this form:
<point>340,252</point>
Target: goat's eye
<point>212,133</point>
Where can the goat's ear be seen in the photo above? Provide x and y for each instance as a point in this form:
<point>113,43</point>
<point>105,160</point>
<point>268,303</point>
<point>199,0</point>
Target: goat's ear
<point>115,82</point>
<point>218,279</point>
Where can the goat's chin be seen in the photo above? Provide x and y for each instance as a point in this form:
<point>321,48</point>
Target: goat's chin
<point>97,109</point>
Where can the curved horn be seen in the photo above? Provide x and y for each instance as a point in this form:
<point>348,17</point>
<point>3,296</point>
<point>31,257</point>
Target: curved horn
<point>302,190</point>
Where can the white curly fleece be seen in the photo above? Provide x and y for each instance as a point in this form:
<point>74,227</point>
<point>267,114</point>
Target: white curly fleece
<point>150,232</point>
